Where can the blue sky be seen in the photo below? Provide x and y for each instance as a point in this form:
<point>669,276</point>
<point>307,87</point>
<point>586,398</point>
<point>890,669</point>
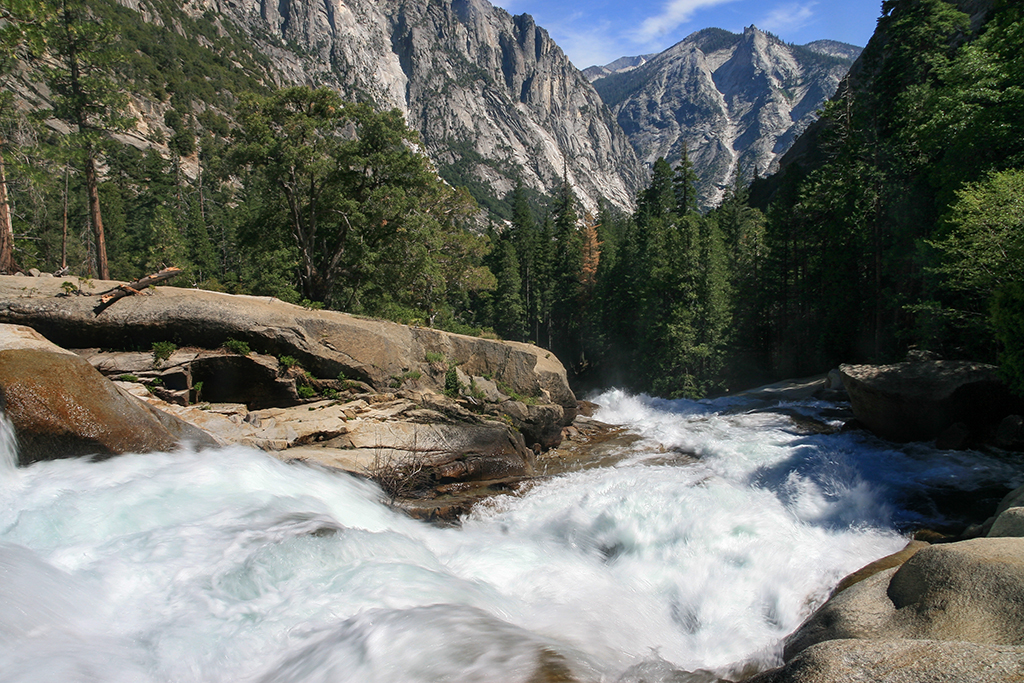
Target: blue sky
<point>601,31</point>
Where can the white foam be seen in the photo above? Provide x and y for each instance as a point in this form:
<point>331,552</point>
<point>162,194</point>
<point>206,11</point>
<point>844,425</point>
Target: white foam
<point>228,565</point>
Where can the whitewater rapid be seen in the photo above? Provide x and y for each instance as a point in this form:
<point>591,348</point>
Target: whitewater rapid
<point>712,537</point>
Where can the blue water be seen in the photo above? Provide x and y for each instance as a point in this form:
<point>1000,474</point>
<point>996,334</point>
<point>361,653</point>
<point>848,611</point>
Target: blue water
<point>228,565</point>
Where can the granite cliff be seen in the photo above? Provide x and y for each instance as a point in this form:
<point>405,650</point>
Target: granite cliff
<point>493,97</point>
<point>734,102</point>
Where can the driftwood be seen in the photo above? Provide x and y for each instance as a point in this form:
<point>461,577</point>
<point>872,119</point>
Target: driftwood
<point>111,295</point>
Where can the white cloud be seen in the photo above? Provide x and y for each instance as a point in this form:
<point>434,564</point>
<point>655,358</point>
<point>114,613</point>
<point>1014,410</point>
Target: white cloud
<point>672,15</point>
<point>587,42</point>
<point>595,46</point>
<point>788,17</point>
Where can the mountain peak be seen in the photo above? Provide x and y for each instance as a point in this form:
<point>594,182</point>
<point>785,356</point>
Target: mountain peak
<point>735,103</point>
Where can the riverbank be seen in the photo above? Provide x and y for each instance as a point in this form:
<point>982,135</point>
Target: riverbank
<point>703,531</point>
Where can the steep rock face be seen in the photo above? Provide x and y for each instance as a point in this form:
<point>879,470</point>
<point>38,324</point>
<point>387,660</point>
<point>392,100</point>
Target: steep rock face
<point>734,102</point>
<point>492,95</point>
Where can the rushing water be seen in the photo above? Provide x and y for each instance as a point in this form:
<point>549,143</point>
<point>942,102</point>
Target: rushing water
<point>229,565</point>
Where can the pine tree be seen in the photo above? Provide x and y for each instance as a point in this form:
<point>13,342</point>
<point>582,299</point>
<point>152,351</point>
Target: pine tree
<point>684,184</point>
<point>85,95</point>
<point>565,277</point>
<point>509,312</point>
<point>525,237</point>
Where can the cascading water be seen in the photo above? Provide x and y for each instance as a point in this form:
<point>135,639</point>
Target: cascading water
<point>229,565</point>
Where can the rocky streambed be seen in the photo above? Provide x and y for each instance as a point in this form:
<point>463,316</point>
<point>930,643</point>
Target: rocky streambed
<point>443,420</point>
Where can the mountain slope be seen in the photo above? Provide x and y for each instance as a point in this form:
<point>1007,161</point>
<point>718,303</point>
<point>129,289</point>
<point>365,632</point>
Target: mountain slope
<point>734,102</point>
<point>493,97</point>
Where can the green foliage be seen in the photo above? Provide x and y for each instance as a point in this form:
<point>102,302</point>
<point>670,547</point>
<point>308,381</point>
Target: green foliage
<point>452,386</point>
<point>237,346</point>
<point>984,246</point>
<point>362,208</point>
<point>866,251</point>
<point>398,380</point>
<point>510,314</point>
<point>305,391</point>
<point>1008,321</point>
<point>127,377</point>
<point>287,361</point>
<point>434,357</point>
<point>162,350</point>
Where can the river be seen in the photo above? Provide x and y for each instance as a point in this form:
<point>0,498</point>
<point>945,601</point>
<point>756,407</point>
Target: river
<point>708,540</point>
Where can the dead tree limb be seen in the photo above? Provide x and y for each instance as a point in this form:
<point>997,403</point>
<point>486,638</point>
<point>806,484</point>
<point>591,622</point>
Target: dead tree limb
<point>111,295</point>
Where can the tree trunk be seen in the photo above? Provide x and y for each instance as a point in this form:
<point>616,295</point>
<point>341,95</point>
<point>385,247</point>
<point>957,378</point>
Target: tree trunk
<point>6,229</point>
<point>80,118</point>
<point>92,187</point>
<point>64,235</point>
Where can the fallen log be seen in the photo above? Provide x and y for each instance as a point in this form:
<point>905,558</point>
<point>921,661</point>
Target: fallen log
<point>111,295</point>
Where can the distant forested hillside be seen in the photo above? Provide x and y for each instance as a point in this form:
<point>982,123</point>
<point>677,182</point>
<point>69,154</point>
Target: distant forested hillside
<point>903,228</point>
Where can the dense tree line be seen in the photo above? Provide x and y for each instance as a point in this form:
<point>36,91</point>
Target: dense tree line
<point>908,233</point>
<point>293,193</point>
<point>649,301</point>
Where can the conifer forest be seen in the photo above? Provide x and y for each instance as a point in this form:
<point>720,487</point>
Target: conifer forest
<point>901,230</point>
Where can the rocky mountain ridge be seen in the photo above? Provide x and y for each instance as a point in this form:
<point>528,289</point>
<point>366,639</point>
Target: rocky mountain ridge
<point>620,65</point>
<point>734,102</point>
<point>493,97</point>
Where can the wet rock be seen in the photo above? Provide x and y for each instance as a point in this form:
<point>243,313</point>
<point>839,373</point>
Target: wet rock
<point>880,565</point>
<point>954,437</point>
<point>1010,433</point>
<point>61,406</point>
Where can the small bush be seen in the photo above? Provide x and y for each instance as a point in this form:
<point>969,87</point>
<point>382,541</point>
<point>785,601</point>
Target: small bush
<point>288,361</point>
<point>399,380</point>
<point>433,357</point>
<point>127,378</point>
<point>452,385</point>
<point>162,350</point>
<point>236,346</point>
<point>474,390</point>
<point>306,391</point>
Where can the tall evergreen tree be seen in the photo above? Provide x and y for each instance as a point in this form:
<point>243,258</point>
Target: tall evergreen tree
<point>509,312</point>
<point>684,183</point>
<point>85,94</point>
<point>565,277</point>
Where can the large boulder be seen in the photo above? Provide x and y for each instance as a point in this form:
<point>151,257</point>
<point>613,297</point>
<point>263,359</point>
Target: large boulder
<point>60,406</point>
<point>900,661</point>
<point>919,401</point>
<point>971,591</point>
<point>327,343</point>
<point>950,612</point>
